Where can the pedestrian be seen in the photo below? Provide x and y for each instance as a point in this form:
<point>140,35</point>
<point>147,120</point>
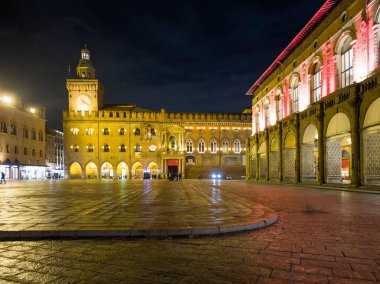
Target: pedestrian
<point>180,176</point>
<point>2,178</point>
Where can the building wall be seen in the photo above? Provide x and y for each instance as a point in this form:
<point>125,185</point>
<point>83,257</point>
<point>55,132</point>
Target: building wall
<point>331,139</point>
<point>182,126</point>
<point>21,156</point>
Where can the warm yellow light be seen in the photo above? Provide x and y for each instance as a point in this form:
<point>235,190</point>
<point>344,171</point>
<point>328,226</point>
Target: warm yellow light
<point>7,99</point>
<point>32,110</point>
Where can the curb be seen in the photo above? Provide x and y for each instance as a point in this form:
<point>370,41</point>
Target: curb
<point>139,233</point>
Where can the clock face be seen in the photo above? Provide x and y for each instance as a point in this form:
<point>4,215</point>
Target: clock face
<point>84,102</point>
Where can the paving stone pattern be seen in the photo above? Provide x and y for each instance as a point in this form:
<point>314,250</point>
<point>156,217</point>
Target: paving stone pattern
<point>132,207</point>
<point>322,236</point>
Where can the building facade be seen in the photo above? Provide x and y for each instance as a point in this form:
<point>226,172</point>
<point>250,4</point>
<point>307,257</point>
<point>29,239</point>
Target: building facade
<point>315,110</point>
<point>22,139</point>
<point>54,154</point>
<point>125,141</point>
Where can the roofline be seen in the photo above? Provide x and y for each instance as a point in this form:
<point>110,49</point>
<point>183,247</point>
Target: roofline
<point>316,19</point>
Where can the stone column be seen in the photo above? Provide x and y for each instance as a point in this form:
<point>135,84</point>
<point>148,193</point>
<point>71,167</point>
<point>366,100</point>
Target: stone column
<point>298,150</point>
<point>249,160</point>
<point>355,146</point>
<point>281,171</point>
<point>267,153</point>
<point>321,146</point>
<point>257,157</point>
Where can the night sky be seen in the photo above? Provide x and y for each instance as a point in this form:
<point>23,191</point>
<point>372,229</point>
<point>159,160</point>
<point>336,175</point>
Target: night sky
<point>186,56</point>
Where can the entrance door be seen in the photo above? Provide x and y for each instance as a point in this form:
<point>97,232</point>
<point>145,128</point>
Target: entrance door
<point>172,168</point>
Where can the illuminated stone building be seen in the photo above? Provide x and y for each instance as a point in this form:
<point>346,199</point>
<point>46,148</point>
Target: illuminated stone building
<point>22,139</point>
<point>54,154</point>
<point>316,109</point>
<point>125,141</point>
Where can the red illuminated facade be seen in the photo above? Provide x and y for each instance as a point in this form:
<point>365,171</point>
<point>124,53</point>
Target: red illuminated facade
<point>313,108</point>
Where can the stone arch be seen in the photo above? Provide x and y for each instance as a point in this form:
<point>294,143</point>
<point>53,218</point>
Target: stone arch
<point>75,171</point>
<point>274,159</point>
<point>371,146</point>
<point>106,170</point>
<point>137,170</point>
<point>262,156</point>
<point>289,156</point>
<point>122,171</point>
<point>309,154</point>
<point>91,171</point>
<point>153,170</point>
<point>338,141</point>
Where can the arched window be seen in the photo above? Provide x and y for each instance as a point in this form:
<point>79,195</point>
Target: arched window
<point>225,146</point>
<point>33,152</point>
<point>137,131</point>
<point>122,131</point>
<point>25,132</point>
<point>316,90</point>
<point>347,56</point>
<point>237,146</point>
<point>106,131</point>
<point>106,148</point>
<point>90,148</point>
<point>213,146</point>
<point>75,148</point>
<point>294,94</point>
<point>16,150</point>
<point>89,131</point>
<point>153,132</point>
<point>13,129</point>
<point>189,146</point>
<point>138,148</point>
<point>74,131</point>
<point>25,151</point>
<point>201,146</point>
<point>122,148</point>
<point>41,153</point>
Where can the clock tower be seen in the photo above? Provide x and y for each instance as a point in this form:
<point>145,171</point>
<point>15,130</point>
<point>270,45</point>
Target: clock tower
<point>85,92</point>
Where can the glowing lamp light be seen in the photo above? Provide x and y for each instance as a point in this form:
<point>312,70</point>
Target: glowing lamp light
<point>7,99</point>
<point>32,110</point>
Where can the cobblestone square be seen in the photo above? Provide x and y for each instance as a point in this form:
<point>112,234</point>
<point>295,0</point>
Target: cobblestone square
<point>322,236</point>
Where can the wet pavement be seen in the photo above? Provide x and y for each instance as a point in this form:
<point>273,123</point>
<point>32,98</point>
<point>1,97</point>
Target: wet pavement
<point>322,236</point>
<point>124,208</point>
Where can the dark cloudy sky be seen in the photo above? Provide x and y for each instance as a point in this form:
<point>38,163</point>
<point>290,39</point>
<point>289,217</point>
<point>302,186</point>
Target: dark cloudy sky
<point>186,55</point>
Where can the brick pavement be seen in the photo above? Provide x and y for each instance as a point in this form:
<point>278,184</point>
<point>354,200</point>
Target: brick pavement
<point>322,236</point>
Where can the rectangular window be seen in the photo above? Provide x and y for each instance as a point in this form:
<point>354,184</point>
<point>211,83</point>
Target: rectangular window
<point>279,109</point>
<point>295,100</point>
<point>347,70</point>
<point>317,86</point>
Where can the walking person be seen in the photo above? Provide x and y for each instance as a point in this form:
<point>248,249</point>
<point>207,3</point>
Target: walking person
<point>2,178</point>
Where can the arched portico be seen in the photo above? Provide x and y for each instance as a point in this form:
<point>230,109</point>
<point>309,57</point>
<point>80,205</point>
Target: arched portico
<point>75,171</point>
<point>122,171</point>
<point>289,154</point>
<point>262,156</point>
<point>106,171</point>
<point>371,144</point>
<point>338,149</point>
<point>274,156</point>
<point>153,169</point>
<point>137,171</point>
<point>309,154</point>
<point>91,171</point>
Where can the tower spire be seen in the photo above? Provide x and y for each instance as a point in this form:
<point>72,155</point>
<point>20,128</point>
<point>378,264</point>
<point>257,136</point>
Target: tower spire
<point>85,70</point>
